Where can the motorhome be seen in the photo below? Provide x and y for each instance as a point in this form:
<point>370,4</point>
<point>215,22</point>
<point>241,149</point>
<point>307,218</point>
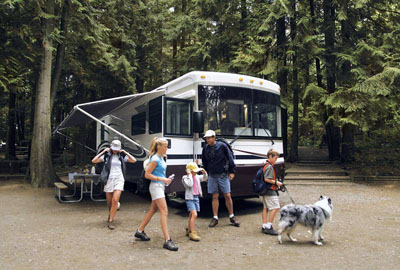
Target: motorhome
<point>243,110</point>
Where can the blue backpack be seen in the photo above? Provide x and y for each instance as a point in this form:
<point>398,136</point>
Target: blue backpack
<point>260,187</point>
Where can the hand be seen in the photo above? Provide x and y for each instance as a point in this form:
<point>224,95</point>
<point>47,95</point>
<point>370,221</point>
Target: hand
<point>123,151</point>
<point>167,181</point>
<point>203,171</point>
<point>107,149</point>
<point>231,176</point>
<point>279,184</point>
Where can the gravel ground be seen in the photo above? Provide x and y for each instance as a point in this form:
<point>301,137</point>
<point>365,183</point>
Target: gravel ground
<point>37,232</point>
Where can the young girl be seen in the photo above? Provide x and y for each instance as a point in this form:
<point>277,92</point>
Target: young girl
<point>193,192</point>
<point>156,172</point>
<point>114,159</point>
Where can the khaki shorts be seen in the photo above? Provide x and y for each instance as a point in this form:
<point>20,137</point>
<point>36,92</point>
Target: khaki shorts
<point>157,190</point>
<point>270,202</point>
<point>114,183</point>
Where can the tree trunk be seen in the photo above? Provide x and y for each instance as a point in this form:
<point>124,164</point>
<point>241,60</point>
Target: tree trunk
<point>41,167</point>
<point>60,54</point>
<point>348,143</point>
<point>294,153</point>
<point>346,81</point>
<point>332,132</point>
<point>317,61</point>
<point>10,153</point>
<point>282,76</point>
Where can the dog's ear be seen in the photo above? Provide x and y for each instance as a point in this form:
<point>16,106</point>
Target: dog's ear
<point>329,200</point>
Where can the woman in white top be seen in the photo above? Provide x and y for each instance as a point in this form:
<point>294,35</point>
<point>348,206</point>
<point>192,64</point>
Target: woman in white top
<point>114,164</point>
<point>156,172</point>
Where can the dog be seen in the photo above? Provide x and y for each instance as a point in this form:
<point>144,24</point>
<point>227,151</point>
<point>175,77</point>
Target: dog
<point>312,215</point>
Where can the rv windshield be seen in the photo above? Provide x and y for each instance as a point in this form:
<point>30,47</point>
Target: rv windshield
<point>231,111</point>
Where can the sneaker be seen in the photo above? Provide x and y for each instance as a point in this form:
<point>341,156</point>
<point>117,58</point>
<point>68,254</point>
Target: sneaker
<point>194,236</point>
<point>170,245</point>
<point>111,225</point>
<point>234,221</point>
<point>213,223</point>
<point>270,231</point>
<point>142,236</point>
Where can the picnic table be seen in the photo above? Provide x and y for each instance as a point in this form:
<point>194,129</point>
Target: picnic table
<point>86,188</point>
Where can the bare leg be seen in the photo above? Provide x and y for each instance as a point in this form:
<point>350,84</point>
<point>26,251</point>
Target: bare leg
<point>228,203</point>
<point>162,206</point>
<point>215,204</point>
<point>272,215</point>
<point>264,215</point>
<point>153,209</point>
<point>109,196</point>
<point>114,203</point>
<point>192,220</point>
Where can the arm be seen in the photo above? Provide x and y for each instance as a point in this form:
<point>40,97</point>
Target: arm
<point>187,181</point>
<point>97,159</point>
<point>203,158</point>
<point>148,174</point>
<point>131,159</point>
<point>204,177</point>
<point>268,175</point>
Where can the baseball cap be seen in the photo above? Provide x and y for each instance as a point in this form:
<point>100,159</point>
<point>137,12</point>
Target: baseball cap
<point>116,145</point>
<point>209,133</point>
<point>192,166</point>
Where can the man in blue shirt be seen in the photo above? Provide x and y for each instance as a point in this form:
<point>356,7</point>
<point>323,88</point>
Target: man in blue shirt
<point>218,162</point>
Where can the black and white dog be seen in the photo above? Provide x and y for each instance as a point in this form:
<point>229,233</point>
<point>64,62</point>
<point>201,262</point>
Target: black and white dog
<point>311,215</point>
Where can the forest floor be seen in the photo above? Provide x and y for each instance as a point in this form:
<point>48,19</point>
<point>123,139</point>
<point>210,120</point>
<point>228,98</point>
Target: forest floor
<point>37,232</point>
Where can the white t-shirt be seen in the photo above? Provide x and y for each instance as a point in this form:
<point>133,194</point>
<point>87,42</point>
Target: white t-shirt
<point>116,170</point>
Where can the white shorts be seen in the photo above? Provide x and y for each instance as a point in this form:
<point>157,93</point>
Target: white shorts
<point>114,183</point>
<point>270,202</point>
<point>157,190</point>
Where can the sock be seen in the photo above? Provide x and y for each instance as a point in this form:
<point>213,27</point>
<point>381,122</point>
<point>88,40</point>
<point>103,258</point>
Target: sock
<point>231,216</point>
<point>265,226</point>
<point>269,225</point>
<point>139,231</point>
<point>216,217</point>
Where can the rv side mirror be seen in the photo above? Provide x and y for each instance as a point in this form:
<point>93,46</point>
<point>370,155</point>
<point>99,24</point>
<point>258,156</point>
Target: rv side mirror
<point>198,122</point>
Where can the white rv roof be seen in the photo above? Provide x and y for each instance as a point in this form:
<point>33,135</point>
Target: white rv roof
<point>220,78</point>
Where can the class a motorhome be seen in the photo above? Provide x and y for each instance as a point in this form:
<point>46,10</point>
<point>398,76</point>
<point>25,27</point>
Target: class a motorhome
<point>243,110</point>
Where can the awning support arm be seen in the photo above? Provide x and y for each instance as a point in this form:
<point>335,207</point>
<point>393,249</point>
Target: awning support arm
<point>81,144</point>
<point>110,128</point>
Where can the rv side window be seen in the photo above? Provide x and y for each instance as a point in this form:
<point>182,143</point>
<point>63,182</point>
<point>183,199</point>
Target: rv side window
<point>178,117</point>
<point>138,124</point>
<point>155,115</point>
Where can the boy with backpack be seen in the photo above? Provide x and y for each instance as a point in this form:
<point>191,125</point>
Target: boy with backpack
<point>270,199</point>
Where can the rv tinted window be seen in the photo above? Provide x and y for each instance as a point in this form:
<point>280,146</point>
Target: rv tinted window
<point>234,111</point>
<point>155,115</point>
<point>138,124</point>
<point>178,117</point>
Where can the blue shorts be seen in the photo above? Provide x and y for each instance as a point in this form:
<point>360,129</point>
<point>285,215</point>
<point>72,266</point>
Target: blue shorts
<point>220,183</point>
<point>193,204</point>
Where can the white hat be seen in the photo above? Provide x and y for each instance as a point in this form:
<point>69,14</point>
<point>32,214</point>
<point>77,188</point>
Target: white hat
<point>116,145</point>
<point>209,133</point>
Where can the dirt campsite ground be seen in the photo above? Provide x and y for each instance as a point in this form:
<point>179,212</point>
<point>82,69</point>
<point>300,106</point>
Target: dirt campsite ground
<point>37,232</point>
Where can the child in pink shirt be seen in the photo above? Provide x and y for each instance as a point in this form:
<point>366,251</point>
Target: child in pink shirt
<point>191,182</point>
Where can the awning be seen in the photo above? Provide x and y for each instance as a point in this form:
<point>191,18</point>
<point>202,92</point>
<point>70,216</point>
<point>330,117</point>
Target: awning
<point>98,109</point>
<point>93,111</point>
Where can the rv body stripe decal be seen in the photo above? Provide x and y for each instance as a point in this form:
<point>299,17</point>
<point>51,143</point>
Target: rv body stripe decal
<point>176,156</point>
<point>172,156</point>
